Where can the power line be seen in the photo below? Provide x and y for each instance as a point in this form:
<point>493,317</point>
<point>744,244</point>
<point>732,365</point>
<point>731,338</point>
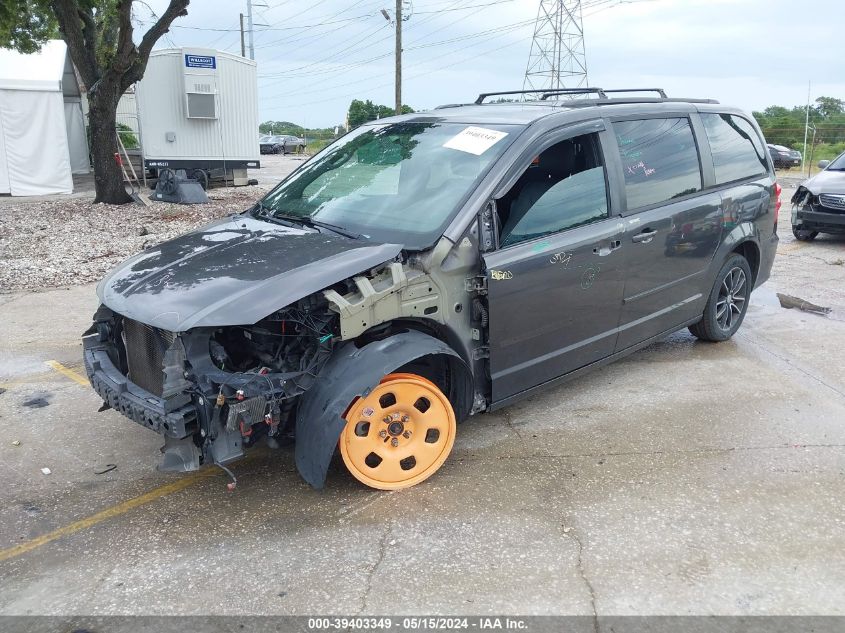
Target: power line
<point>424,62</point>
<point>337,53</point>
<point>501,29</point>
<point>495,32</point>
<point>460,61</point>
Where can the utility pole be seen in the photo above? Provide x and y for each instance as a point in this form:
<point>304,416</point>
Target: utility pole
<point>249,24</point>
<point>557,58</point>
<point>243,47</point>
<point>806,127</point>
<point>398,56</point>
<point>399,18</point>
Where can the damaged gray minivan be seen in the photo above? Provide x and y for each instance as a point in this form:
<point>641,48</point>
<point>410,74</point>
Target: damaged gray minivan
<point>431,266</point>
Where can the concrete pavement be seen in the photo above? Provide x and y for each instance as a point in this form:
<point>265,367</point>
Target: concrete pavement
<point>690,478</point>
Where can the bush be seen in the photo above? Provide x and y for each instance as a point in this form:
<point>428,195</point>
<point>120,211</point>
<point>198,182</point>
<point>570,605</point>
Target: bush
<point>826,151</point>
<point>127,136</point>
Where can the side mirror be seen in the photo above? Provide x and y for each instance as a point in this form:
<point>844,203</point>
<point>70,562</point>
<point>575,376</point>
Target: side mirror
<point>823,164</point>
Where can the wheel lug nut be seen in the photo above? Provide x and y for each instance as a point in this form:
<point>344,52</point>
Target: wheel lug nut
<point>394,442</point>
<point>405,418</point>
<point>406,434</point>
<point>382,434</point>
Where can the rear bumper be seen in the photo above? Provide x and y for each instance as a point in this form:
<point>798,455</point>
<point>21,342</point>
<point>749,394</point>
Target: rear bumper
<point>148,410</point>
<point>767,259</point>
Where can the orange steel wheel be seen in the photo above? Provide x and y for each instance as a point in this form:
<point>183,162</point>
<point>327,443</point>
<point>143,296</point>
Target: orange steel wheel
<point>400,434</point>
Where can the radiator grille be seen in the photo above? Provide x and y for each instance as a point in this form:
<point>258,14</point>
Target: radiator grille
<point>145,347</point>
<point>833,202</point>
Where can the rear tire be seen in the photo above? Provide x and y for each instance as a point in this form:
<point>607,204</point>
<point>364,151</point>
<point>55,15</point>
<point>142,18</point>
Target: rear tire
<point>803,235</point>
<point>727,303</point>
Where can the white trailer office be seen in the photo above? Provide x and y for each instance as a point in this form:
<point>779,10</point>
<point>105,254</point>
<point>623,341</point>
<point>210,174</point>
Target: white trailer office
<point>198,111</point>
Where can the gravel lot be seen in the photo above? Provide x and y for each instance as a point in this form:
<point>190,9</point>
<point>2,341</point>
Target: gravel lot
<point>68,242</point>
<point>64,241</point>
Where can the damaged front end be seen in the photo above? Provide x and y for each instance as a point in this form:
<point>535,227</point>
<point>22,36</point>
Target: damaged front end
<point>211,392</point>
<point>819,209</point>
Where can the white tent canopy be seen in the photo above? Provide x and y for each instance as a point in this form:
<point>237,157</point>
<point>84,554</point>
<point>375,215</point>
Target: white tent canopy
<point>42,130</point>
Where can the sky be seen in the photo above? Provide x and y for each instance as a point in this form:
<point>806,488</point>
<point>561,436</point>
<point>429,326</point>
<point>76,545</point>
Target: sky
<point>315,57</point>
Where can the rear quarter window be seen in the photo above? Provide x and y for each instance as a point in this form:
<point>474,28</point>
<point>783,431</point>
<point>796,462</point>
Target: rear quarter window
<point>659,160</point>
<point>738,152</point>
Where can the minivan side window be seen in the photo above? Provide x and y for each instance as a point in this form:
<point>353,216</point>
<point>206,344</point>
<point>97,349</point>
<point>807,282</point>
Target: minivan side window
<point>563,188</point>
<point>659,160</point>
<point>737,149</point>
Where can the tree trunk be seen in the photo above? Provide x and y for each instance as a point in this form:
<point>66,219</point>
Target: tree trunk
<point>102,119</point>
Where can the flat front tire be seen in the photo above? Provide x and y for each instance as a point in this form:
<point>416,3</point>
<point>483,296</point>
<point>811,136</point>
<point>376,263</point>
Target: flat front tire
<point>399,434</point>
<point>727,303</point>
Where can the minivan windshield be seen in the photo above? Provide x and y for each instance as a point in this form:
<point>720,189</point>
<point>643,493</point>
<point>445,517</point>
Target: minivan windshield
<point>397,182</point>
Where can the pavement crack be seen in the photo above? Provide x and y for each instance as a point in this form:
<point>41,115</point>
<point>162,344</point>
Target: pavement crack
<point>573,534</point>
<point>794,365</point>
<point>509,422</point>
<point>382,548</point>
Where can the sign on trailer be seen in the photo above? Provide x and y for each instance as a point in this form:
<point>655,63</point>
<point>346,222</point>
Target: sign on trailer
<point>200,61</point>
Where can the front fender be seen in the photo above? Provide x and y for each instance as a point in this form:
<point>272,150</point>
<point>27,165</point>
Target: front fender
<point>354,371</point>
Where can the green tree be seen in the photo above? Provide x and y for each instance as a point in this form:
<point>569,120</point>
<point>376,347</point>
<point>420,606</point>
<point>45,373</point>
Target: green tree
<point>785,126</point>
<point>829,107</point>
<point>99,36</point>
<point>363,111</point>
<point>24,26</point>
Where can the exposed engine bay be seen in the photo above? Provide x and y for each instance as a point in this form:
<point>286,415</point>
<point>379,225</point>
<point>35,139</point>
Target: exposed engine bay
<point>220,389</point>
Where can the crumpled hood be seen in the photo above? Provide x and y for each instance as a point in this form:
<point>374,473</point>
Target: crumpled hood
<point>234,271</point>
<point>826,182</point>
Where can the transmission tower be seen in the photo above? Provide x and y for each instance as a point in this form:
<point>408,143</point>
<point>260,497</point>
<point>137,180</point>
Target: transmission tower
<point>557,58</point>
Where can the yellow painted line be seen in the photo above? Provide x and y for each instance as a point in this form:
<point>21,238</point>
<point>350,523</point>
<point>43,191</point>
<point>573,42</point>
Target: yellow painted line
<point>67,371</point>
<point>108,513</point>
<point>122,508</point>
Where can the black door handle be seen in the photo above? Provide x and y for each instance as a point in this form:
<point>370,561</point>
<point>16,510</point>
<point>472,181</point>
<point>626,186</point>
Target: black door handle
<point>646,236</point>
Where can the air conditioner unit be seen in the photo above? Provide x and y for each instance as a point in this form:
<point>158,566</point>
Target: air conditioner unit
<point>200,79</point>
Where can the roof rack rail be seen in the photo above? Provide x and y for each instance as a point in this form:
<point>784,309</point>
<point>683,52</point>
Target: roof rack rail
<point>574,91</point>
<point>484,95</point>
<point>659,91</point>
<point>602,92</point>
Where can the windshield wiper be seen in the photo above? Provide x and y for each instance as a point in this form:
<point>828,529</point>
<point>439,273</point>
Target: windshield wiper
<point>334,228</point>
<point>306,220</point>
<point>266,213</point>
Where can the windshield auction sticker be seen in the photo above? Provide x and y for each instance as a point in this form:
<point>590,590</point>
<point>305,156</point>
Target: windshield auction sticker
<point>475,140</point>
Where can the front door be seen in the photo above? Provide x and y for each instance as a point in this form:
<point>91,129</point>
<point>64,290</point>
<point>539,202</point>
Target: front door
<point>555,284</point>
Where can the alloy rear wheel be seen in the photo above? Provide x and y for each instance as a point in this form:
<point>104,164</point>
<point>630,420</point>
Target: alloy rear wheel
<point>398,435</point>
<point>727,303</point>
